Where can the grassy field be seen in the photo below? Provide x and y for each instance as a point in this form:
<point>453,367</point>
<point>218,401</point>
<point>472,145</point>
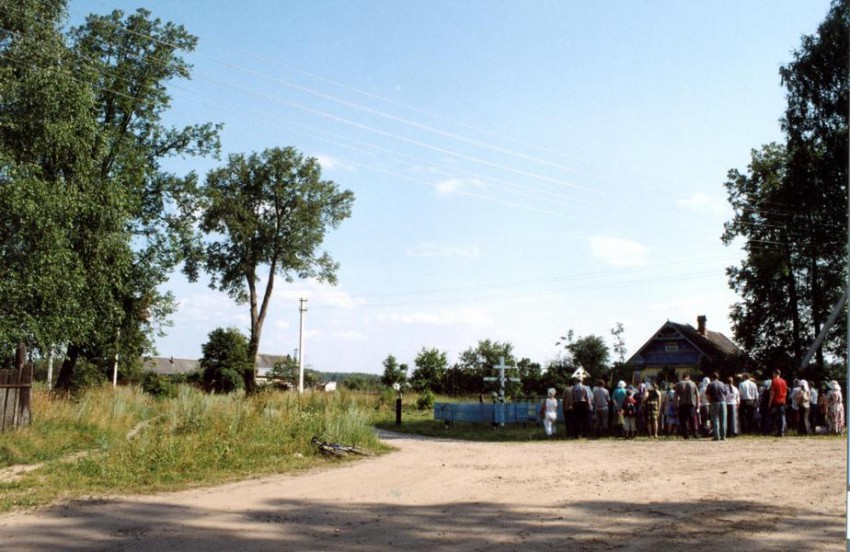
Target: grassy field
<point>121,441</point>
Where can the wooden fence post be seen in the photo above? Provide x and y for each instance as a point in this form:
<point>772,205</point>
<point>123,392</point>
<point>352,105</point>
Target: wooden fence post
<point>16,392</point>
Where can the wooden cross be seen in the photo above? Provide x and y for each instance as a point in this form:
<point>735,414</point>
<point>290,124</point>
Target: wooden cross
<point>501,367</point>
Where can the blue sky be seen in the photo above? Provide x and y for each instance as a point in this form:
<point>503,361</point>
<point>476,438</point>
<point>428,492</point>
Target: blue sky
<point>521,168</point>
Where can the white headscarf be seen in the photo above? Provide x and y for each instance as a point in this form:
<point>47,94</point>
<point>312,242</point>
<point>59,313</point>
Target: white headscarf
<point>621,384</point>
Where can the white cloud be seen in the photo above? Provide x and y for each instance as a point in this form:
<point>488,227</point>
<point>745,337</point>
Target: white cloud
<point>351,335</point>
<point>282,325</point>
<point>210,305</point>
<point>704,203</point>
<point>318,294</point>
<point>445,317</point>
<point>450,186</point>
<point>330,163</point>
<point>430,249</point>
<point>619,251</point>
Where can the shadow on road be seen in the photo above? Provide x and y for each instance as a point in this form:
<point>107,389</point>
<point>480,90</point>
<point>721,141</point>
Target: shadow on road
<point>311,525</point>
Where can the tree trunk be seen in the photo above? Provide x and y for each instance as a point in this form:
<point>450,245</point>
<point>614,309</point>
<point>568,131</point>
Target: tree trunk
<point>817,315</point>
<point>66,373</point>
<point>793,303</point>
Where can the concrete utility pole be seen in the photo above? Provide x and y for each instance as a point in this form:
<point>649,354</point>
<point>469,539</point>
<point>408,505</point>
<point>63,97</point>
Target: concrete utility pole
<point>50,370</point>
<point>302,309</point>
<point>115,364</point>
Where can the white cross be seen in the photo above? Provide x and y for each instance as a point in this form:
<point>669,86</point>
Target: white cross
<point>501,367</point>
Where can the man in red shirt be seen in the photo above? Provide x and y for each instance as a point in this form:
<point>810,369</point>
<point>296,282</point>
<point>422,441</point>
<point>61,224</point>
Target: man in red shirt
<point>778,394</point>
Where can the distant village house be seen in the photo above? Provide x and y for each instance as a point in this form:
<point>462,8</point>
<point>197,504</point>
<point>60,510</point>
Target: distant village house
<point>680,348</point>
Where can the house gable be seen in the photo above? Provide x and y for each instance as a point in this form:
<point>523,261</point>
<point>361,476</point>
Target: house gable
<point>683,348</point>
<point>670,346</point>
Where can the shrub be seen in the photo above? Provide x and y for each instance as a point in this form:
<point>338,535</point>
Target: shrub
<point>159,385</point>
<point>225,360</point>
<point>425,400</point>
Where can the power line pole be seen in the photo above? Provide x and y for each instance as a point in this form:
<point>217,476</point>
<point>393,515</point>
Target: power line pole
<point>302,309</point>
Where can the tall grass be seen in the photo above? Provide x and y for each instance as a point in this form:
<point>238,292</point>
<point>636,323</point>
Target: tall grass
<point>191,439</point>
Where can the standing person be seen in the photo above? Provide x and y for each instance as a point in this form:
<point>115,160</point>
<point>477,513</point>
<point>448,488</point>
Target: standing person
<point>617,400</point>
<point>793,414</point>
<point>652,405</point>
<point>671,416</point>
<point>749,395</point>
<point>549,412</point>
<point>813,406</point>
<point>803,404</point>
<point>704,417</point>
<point>601,405</point>
<point>687,400</point>
<point>640,399</point>
<point>778,396</point>
<point>716,392</point>
<point>630,415</point>
<point>834,408</point>
<point>733,397</point>
<point>764,408</point>
<point>567,406</point>
<point>582,407</point>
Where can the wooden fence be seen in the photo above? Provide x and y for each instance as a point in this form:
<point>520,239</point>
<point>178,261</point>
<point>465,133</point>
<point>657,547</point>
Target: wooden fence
<point>15,393</point>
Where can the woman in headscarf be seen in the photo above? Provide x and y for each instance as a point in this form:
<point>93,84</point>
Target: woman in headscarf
<point>618,397</point>
<point>802,401</point>
<point>704,421</point>
<point>549,412</point>
<point>834,408</point>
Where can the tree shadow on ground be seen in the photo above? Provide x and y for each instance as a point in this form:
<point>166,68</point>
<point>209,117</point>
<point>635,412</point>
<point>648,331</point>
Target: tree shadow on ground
<point>727,525</point>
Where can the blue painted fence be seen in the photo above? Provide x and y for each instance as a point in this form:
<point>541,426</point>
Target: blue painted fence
<point>489,413</point>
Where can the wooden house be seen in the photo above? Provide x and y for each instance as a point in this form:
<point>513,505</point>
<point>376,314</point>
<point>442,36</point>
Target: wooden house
<point>680,348</point>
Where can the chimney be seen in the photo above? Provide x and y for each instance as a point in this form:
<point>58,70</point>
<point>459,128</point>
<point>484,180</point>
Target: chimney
<point>701,325</point>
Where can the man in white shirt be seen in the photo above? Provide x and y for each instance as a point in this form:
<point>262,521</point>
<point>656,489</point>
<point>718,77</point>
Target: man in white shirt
<point>749,402</point>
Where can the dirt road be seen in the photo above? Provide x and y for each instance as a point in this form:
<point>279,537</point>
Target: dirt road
<point>744,494</point>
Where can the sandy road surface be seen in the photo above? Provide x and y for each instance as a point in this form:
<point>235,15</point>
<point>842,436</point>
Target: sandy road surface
<point>746,494</point>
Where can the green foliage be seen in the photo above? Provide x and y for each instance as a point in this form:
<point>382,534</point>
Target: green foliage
<point>159,385</point>
<point>619,343</point>
<point>355,382</point>
<point>224,360</point>
<point>91,223</point>
<point>286,371</point>
<point>88,375</point>
<point>530,374</point>
<point>790,207</point>
<point>588,352</point>
<point>269,209</point>
<point>425,401</point>
<point>393,372</point>
<point>430,370</point>
<point>134,444</point>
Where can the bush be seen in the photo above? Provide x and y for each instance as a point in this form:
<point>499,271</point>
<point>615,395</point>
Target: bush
<point>159,385</point>
<point>425,400</point>
<point>87,375</point>
<point>225,360</point>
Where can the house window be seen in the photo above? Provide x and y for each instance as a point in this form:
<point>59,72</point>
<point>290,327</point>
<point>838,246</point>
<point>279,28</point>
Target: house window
<point>671,347</point>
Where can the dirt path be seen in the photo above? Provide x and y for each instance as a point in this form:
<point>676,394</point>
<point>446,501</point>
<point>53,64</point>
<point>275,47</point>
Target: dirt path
<point>750,494</point>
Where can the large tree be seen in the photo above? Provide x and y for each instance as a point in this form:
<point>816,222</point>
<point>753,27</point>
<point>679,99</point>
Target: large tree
<point>269,212</point>
<point>790,208</point>
<point>96,223</point>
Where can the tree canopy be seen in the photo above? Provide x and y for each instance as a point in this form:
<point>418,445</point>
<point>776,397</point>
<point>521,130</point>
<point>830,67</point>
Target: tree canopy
<point>790,209</point>
<point>268,211</point>
<point>92,222</point>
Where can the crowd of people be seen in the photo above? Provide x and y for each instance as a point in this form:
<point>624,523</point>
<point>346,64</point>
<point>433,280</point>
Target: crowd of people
<point>714,408</point>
